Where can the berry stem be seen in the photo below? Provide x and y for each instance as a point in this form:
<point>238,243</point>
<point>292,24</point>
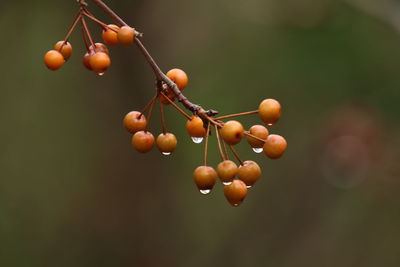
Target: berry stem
<point>176,106</point>
<point>85,27</point>
<point>102,24</point>
<point>71,29</point>
<point>147,106</point>
<point>85,41</point>
<point>253,136</point>
<point>164,128</point>
<point>236,154</point>
<point>206,145</point>
<point>221,153</point>
<point>237,115</point>
<point>149,114</point>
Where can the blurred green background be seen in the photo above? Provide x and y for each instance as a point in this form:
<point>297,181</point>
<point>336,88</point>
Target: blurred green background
<point>73,192</point>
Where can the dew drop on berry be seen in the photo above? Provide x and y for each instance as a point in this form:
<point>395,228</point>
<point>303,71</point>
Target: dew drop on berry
<point>236,204</point>
<point>101,73</point>
<point>197,140</point>
<point>270,124</point>
<point>248,186</point>
<point>226,183</point>
<point>166,153</point>
<point>205,192</point>
<point>258,150</point>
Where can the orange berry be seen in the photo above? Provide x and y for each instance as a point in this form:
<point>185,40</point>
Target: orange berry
<point>100,62</point>
<point>269,111</point>
<point>100,47</point>
<point>195,127</point>
<point>166,143</point>
<point>235,192</point>
<point>275,146</point>
<point>227,170</point>
<point>64,49</point>
<point>260,132</point>
<point>249,172</point>
<point>179,77</point>
<point>134,122</point>
<point>53,60</point>
<point>232,132</point>
<point>205,178</point>
<point>143,141</point>
<point>126,35</point>
<point>110,37</point>
<point>86,60</point>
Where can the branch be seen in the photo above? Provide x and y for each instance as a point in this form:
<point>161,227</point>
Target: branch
<point>160,76</point>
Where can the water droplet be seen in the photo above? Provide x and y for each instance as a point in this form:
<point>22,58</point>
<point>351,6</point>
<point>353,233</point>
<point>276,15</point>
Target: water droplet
<point>227,183</point>
<point>270,124</point>
<point>248,186</point>
<point>166,153</point>
<point>258,149</point>
<point>197,140</point>
<point>100,73</point>
<point>205,192</point>
<point>236,204</point>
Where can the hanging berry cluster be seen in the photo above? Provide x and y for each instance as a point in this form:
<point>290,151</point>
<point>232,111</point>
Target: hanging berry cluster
<point>169,87</point>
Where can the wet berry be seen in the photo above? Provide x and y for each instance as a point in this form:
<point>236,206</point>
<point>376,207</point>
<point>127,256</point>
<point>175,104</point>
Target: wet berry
<point>232,132</point>
<point>100,62</point>
<point>205,177</point>
<point>53,60</point>
<point>227,170</point>
<point>166,143</point>
<point>195,127</point>
<point>143,141</point>
<point>126,35</point>
<point>260,132</point>
<point>110,36</point>
<point>249,172</point>
<point>269,111</point>
<point>64,48</point>
<point>236,192</point>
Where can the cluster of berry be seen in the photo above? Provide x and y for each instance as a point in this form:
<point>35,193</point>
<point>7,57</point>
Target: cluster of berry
<point>97,56</point>
<point>236,179</point>
<point>228,134</point>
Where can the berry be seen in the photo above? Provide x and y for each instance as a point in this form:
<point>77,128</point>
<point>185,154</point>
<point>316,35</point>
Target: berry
<point>53,60</point>
<point>249,172</point>
<point>235,192</point>
<point>126,35</point>
<point>110,37</point>
<point>64,48</point>
<point>205,177</point>
<point>269,111</point>
<point>260,132</point>
<point>134,122</point>
<point>143,141</point>
<point>179,77</point>
<point>195,127</point>
<point>100,47</point>
<point>275,146</point>
<point>100,62</point>
<point>166,143</point>
<point>227,170</point>
<point>86,60</point>
<point>232,132</point>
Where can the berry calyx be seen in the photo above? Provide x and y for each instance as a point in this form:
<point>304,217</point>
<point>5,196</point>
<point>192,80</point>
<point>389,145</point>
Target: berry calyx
<point>134,122</point>
<point>195,127</point>
<point>227,170</point>
<point>260,132</point>
<point>143,141</point>
<point>126,35</point>
<point>166,143</point>
<point>205,177</point>
<point>65,48</point>
<point>236,192</point>
<point>110,35</point>
<point>179,77</point>
<point>249,172</point>
<point>275,146</point>
<point>232,132</point>
<point>53,60</point>
<point>269,111</point>
<point>99,62</point>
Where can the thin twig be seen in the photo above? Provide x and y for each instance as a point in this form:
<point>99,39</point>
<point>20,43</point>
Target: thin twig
<point>176,106</point>
<point>236,154</point>
<point>237,115</point>
<point>71,29</point>
<point>206,145</point>
<point>164,128</point>
<point>85,27</point>
<point>253,136</point>
<point>224,145</point>
<point>149,114</point>
<point>147,105</point>
<point>219,143</point>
